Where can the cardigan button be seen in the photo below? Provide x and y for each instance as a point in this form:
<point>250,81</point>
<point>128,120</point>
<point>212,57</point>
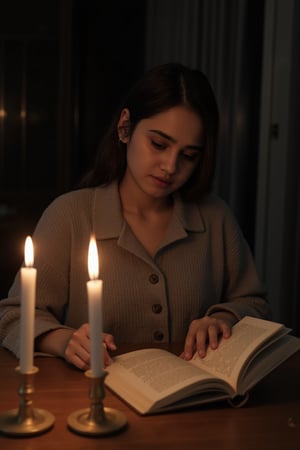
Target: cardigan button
<point>158,335</point>
<point>153,278</point>
<point>156,308</point>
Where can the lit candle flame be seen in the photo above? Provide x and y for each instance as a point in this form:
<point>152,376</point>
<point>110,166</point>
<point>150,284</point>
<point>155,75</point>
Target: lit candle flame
<point>29,258</point>
<point>93,261</point>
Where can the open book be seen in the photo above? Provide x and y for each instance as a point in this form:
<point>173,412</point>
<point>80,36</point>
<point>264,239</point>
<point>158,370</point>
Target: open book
<point>155,380</point>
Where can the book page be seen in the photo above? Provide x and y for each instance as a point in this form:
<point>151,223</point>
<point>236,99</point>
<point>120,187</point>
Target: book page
<point>145,377</point>
<point>228,359</point>
<point>159,370</point>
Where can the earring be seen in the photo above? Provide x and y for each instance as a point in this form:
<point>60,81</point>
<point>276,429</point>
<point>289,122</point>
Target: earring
<point>123,132</point>
<point>121,140</point>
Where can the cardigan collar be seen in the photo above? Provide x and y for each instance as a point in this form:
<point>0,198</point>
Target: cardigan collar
<point>109,222</point>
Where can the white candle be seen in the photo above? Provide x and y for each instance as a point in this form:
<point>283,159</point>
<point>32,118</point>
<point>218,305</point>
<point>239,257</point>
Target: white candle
<point>28,284</point>
<point>94,290</point>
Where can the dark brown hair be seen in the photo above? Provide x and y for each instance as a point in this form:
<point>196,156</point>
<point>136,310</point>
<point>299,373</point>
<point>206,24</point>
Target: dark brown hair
<point>160,89</point>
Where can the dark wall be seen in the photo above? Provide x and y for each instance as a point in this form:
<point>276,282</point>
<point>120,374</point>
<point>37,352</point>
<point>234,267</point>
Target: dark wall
<point>63,67</point>
<point>112,57</point>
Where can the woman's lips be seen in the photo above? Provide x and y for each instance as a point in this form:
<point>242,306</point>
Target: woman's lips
<point>161,182</point>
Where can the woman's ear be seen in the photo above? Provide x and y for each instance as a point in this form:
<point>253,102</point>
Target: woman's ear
<point>124,126</point>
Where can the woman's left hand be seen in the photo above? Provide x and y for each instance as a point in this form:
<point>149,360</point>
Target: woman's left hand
<point>206,332</point>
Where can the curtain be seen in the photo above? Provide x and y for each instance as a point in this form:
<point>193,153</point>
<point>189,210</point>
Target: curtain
<point>224,40</point>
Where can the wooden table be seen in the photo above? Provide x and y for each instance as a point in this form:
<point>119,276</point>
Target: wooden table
<point>270,420</point>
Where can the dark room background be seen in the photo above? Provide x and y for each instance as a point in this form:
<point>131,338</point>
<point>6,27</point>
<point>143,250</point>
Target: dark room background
<point>63,67</point>
<point>64,64</point>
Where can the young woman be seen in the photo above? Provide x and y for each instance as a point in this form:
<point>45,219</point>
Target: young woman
<point>174,263</point>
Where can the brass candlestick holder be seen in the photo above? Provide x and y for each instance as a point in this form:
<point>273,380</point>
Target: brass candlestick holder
<point>96,420</point>
<point>26,420</point>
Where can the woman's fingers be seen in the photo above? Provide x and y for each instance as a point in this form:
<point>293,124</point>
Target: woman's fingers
<point>206,332</point>
<point>77,351</point>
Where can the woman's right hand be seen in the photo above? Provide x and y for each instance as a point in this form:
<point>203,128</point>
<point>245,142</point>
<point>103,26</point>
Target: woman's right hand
<point>77,350</point>
<point>74,345</point>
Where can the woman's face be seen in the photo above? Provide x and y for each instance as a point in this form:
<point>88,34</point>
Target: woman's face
<point>163,150</point>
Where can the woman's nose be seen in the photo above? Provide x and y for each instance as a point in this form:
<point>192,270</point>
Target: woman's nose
<point>169,163</point>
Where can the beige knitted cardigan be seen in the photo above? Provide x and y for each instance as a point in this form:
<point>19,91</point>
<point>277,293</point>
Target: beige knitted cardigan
<point>203,265</point>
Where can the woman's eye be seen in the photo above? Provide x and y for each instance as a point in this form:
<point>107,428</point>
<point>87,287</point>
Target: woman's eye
<point>191,156</point>
<point>158,145</point>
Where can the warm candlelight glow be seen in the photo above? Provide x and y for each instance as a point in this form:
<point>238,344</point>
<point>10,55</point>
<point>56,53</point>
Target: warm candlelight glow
<point>3,113</point>
<point>93,261</point>
<point>29,252</point>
